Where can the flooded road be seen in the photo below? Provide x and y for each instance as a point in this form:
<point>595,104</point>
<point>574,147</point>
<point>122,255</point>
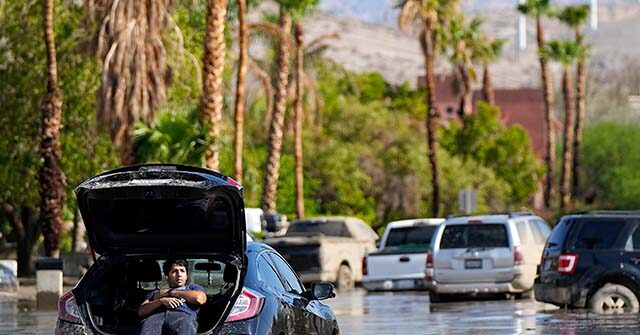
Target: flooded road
<point>406,313</point>
<point>410,313</point>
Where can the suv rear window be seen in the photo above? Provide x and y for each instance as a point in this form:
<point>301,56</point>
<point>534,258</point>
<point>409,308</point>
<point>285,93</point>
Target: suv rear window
<point>474,236</point>
<point>597,233</point>
<point>418,237</point>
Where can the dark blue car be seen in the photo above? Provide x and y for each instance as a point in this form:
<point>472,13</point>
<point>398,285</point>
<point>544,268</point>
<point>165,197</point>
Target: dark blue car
<point>137,217</point>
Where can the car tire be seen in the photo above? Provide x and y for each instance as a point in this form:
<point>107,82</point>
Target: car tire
<point>613,298</point>
<point>345,278</point>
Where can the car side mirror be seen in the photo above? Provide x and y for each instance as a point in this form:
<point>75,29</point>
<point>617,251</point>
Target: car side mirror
<point>322,290</point>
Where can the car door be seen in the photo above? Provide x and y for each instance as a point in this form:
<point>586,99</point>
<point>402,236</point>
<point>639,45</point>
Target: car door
<point>631,256</point>
<point>307,311</point>
<point>284,321</point>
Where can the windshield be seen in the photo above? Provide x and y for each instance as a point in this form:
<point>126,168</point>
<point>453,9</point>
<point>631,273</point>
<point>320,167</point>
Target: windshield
<point>329,228</point>
<point>418,237</point>
<point>474,236</point>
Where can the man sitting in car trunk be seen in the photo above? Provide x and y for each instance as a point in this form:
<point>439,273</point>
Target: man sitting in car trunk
<point>173,310</point>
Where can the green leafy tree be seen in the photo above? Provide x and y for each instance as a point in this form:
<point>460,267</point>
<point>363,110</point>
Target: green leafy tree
<point>507,151</point>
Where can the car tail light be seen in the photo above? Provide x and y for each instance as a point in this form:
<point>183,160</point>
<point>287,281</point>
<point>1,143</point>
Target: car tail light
<point>429,259</point>
<point>475,221</point>
<point>247,305</point>
<point>234,183</point>
<point>517,256</point>
<point>68,309</point>
<point>567,263</point>
<point>364,266</point>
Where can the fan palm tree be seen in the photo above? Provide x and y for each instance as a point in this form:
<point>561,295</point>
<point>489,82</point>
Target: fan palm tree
<point>134,73</point>
<point>566,53</point>
<point>51,177</point>
<point>428,15</point>
<point>243,55</point>
<point>487,53</point>
<point>211,103</point>
<point>538,9</point>
<point>576,17</point>
<point>272,166</point>
<point>462,39</point>
<point>299,180</point>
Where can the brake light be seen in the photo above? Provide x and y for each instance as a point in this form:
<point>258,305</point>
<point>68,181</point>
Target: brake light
<point>517,256</point>
<point>68,309</point>
<point>567,263</point>
<point>429,259</point>
<point>234,183</point>
<point>475,221</point>
<point>364,266</point>
<point>247,305</point>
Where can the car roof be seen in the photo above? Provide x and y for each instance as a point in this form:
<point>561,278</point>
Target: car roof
<point>412,222</point>
<point>492,218</point>
<point>605,213</point>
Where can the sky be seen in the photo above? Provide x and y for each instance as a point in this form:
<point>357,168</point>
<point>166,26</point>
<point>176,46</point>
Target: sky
<point>380,11</point>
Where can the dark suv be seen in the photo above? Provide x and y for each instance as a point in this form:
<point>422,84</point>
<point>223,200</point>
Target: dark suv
<point>592,260</point>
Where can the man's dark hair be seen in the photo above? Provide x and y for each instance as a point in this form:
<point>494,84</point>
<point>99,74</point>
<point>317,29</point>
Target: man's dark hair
<point>166,267</point>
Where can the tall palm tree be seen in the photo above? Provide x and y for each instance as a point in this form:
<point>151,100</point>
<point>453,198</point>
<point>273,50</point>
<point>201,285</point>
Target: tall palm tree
<point>134,73</point>
<point>299,33</point>
<point>272,167</point>
<point>243,43</point>
<point>566,53</point>
<point>487,53</point>
<point>576,17</point>
<point>212,100</point>
<point>462,39</point>
<point>51,177</point>
<point>538,9</point>
<point>428,15</point>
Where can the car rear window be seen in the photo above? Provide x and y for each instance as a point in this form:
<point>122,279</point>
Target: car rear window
<point>474,236</point>
<point>597,233</point>
<point>329,228</point>
<point>417,237</point>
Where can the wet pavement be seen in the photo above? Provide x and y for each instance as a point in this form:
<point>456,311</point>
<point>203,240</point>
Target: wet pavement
<point>405,313</point>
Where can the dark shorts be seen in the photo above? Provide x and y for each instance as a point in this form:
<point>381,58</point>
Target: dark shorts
<point>169,323</point>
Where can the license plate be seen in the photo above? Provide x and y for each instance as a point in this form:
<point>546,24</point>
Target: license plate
<point>473,264</point>
<point>404,284</point>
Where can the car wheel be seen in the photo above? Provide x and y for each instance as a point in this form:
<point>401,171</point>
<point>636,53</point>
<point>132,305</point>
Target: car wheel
<point>612,298</point>
<point>345,278</point>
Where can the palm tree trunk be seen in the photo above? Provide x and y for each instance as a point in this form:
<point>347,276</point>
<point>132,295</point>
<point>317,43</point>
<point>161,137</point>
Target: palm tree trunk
<point>52,180</point>
<point>465,107</point>
<point>487,86</point>
<point>298,122</point>
<point>24,223</point>
<point>580,114</point>
<point>242,70</point>
<point>211,102</point>
<point>565,186</point>
<point>547,85</point>
<point>432,115</point>
<point>272,167</point>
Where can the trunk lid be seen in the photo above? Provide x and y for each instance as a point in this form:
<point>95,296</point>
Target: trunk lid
<point>474,253</point>
<point>163,208</point>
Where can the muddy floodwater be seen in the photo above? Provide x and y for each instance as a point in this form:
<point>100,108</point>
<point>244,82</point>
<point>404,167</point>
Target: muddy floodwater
<point>405,313</point>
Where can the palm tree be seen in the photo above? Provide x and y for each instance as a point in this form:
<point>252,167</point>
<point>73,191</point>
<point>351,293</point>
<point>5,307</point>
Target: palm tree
<point>538,9</point>
<point>52,179</point>
<point>428,15</point>
<point>576,17</point>
<point>243,43</point>
<point>487,53</point>
<point>272,166</point>
<point>566,53</point>
<point>212,100</point>
<point>299,33</point>
<point>134,73</point>
<point>462,40</point>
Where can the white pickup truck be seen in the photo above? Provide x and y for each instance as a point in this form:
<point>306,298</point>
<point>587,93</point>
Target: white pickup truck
<point>400,261</point>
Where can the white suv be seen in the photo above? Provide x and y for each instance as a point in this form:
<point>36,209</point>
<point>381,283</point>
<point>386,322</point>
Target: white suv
<point>486,254</point>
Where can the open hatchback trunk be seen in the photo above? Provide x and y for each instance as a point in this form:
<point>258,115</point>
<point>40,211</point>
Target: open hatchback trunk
<point>139,216</point>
